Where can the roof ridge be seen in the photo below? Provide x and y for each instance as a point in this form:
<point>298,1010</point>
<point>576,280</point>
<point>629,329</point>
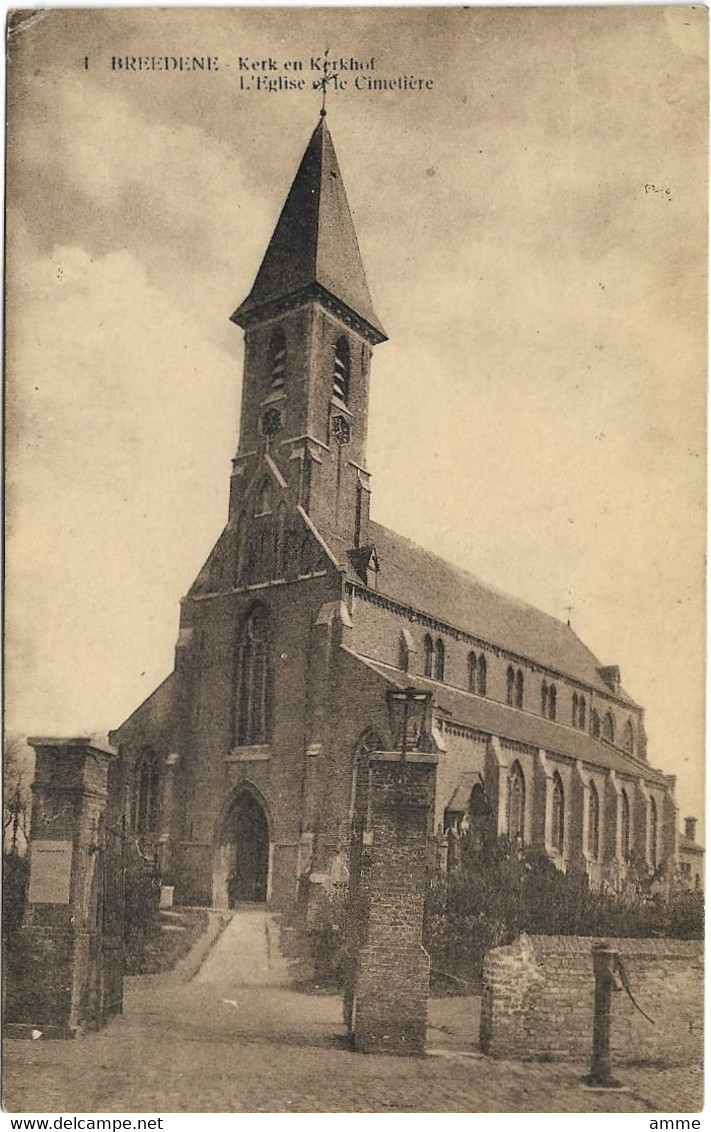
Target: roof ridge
<point>484,585</point>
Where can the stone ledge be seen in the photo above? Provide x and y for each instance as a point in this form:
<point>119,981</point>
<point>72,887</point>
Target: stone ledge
<point>260,754</point>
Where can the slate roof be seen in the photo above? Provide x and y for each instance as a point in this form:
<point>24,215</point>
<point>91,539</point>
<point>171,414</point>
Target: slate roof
<point>495,718</point>
<point>688,846</point>
<point>314,242</point>
<point>416,577</point>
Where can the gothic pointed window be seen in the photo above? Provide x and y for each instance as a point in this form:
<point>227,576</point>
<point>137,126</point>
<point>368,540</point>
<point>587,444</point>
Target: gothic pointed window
<point>305,557</point>
<point>479,813</point>
<point>624,826</point>
<point>516,802</point>
<point>472,671</point>
<point>593,845</point>
<point>544,698</point>
<point>594,724</point>
<point>653,832</point>
<point>279,543</point>
<point>428,651</point>
<point>629,737</point>
<point>406,649</point>
<point>240,551</point>
<point>263,499</point>
<point>519,688</point>
<point>254,681</point>
<point>360,817</point>
<point>608,728</point>
<point>510,686</point>
<point>277,360</point>
<point>576,720</point>
<point>558,815</point>
<point>481,675</point>
<point>146,794</point>
<point>552,701</point>
<point>581,711</point>
<point>342,370</point>
<point>439,659</point>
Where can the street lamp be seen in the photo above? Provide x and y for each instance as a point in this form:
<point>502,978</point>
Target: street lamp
<point>407,709</point>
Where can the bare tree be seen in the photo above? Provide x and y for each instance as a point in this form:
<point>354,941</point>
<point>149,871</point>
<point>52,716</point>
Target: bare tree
<point>18,771</point>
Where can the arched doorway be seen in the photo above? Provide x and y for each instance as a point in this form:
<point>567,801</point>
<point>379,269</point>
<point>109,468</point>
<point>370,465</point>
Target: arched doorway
<point>241,874</point>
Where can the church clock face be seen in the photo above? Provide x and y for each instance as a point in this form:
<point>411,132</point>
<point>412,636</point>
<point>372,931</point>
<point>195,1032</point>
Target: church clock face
<point>340,430</point>
<point>271,422</point>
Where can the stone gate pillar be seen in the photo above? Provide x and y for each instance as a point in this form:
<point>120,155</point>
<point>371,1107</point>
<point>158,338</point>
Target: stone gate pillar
<point>386,1001</point>
<point>54,970</point>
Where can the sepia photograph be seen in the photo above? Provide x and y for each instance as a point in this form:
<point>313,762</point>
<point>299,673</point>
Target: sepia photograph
<point>355,456</point>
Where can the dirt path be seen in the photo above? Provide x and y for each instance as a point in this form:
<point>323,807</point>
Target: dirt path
<point>247,953</point>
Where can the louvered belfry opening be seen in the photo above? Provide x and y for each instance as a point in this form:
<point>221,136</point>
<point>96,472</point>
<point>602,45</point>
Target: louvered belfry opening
<point>342,370</point>
<point>277,357</point>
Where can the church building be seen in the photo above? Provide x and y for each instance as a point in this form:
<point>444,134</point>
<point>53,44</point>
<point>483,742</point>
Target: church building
<point>240,768</point>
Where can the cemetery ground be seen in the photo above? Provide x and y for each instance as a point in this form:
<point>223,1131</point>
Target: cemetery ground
<point>230,1031</point>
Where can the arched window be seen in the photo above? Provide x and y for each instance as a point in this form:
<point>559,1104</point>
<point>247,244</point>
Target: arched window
<point>593,822</point>
<point>595,724</point>
<point>558,814</point>
<point>254,691</point>
<point>279,543</point>
<point>342,370</point>
<point>653,832</point>
<point>608,727</point>
<point>510,686</point>
<point>628,743</point>
<point>479,813</point>
<point>519,688</point>
<point>428,650</point>
<point>471,668</point>
<point>544,698</point>
<point>624,826</point>
<point>305,564</point>
<point>368,742</point>
<point>516,802</point>
<point>240,551</point>
<point>146,794</point>
<point>581,709</point>
<point>263,499</point>
<point>481,682</point>
<point>277,359</point>
<point>439,659</point>
<point>216,574</point>
<point>576,720</point>
<point>552,701</point>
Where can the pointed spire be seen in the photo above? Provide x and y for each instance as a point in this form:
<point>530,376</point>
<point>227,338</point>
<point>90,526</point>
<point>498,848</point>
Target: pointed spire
<point>314,245</point>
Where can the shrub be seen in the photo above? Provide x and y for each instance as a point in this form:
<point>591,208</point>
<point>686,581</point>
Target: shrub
<point>500,890</point>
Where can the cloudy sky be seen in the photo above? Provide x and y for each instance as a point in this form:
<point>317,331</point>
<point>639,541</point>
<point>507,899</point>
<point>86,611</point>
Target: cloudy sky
<point>533,232</point>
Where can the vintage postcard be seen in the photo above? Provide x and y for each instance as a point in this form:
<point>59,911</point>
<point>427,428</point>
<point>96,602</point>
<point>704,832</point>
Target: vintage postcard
<point>355,383</point>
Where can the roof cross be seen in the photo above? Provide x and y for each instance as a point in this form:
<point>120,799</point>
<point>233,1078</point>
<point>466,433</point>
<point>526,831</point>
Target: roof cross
<point>322,84</point>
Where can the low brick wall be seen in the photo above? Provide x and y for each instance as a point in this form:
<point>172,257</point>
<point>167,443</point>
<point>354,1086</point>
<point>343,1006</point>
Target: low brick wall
<point>538,1000</point>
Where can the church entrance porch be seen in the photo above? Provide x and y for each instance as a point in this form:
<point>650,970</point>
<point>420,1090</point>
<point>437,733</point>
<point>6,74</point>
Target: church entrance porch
<point>242,857</point>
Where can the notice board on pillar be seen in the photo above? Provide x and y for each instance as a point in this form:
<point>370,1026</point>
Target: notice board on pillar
<point>50,872</point>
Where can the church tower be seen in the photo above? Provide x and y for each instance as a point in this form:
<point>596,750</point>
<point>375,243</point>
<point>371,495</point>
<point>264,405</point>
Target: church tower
<point>309,330</point>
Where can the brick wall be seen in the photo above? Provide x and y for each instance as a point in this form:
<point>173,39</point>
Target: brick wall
<point>538,1000</point>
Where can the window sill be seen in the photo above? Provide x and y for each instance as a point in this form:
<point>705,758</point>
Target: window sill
<point>273,398</point>
<point>255,754</point>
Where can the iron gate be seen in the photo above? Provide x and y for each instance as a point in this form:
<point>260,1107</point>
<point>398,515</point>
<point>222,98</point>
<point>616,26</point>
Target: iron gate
<point>111,911</point>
